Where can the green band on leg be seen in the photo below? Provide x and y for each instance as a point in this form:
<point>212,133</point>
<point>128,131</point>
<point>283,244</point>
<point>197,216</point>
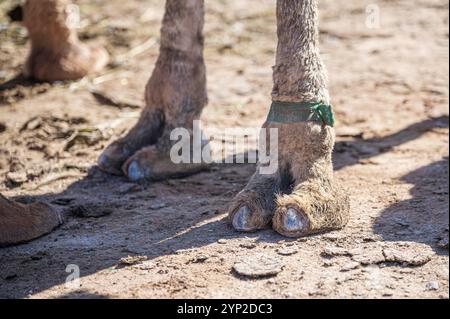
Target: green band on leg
<point>286,112</point>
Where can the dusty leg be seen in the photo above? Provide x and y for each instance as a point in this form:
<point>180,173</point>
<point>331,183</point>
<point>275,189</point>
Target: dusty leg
<point>175,97</point>
<point>56,53</point>
<point>314,202</point>
<point>21,223</point>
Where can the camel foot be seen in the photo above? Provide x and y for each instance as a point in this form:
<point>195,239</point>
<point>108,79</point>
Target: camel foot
<point>302,197</point>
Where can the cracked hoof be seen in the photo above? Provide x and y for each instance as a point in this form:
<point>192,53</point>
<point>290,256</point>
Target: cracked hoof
<point>242,220</point>
<point>293,224</point>
<point>73,63</point>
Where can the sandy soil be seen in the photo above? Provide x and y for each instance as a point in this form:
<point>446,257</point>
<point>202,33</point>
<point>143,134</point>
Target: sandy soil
<point>390,89</point>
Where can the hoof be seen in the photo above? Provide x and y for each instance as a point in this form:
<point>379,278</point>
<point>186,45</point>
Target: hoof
<point>111,160</point>
<point>242,219</point>
<point>292,224</point>
<point>295,222</point>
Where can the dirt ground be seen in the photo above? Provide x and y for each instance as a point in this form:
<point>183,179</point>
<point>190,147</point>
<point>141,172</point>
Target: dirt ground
<point>389,86</point>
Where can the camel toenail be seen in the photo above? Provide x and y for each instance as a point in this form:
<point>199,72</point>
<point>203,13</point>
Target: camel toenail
<point>241,219</point>
<point>293,221</point>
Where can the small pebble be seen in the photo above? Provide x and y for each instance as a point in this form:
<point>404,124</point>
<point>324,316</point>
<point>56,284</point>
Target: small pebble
<point>350,266</point>
<point>17,178</point>
<point>147,265</point>
<point>158,206</point>
<point>287,251</point>
<point>258,266</point>
<point>199,259</point>
<point>335,251</point>
<point>433,286</point>
<point>133,260</point>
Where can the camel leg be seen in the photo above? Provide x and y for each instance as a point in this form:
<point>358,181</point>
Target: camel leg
<point>56,53</point>
<point>175,97</point>
<point>252,209</point>
<point>21,223</point>
<point>313,202</point>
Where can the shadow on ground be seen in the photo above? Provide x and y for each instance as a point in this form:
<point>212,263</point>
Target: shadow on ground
<point>161,218</point>
<point>423,218</point>
<point>352,152</point>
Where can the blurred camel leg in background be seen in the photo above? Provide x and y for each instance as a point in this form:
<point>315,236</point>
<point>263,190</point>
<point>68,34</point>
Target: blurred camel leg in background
<point>175,96</point>
<point>56,53</point>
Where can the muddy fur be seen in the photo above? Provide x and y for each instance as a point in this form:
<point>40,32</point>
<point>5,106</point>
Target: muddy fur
<point>20,223</point>
<point>304,182</point>
<point>175,94</point>
<point>305,149</point>
<point>56,53</point>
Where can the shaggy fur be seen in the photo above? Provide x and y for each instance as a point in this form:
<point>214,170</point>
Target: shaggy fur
<point>315,195</point>
<point>21,223</point>
<point>56,53</point>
